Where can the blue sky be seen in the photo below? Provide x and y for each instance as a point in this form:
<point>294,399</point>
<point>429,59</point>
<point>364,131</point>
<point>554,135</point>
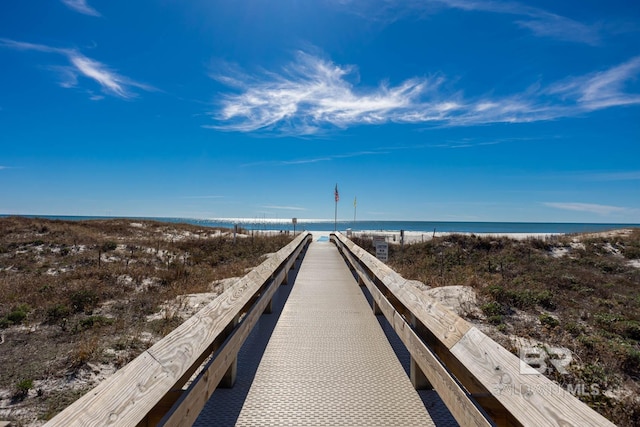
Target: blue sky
<point>458,110</point>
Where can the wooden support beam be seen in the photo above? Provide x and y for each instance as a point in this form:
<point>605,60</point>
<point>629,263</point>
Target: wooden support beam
<point>161,408</point>
<point>452,394</point>
<point>186,410</point>
<point>268,309</point>
<point>376,308</point>
<point>418,378</point>
<point>229,378</point>
<point>441,343</point>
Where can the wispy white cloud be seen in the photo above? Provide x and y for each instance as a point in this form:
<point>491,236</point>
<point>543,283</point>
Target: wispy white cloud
<point>475,142</point>
<point>540,22</point>
<point>326,158</point>
<point>111,82</point>
<point>600,89</point>
<point>81,6</point>
<point>587,207</point>
<point>18,45</point>
<point>309,92</point>
<point>558,27</point>
<point>615,176</point>
<point>312,93</point>
<point>203,197</point>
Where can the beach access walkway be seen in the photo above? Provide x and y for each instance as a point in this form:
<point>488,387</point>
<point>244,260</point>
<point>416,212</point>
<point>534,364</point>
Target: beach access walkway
<point>322,356</point>
<point>328,361</point>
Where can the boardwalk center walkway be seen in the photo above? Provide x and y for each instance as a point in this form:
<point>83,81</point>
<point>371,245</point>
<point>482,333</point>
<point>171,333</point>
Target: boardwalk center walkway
<point>328,361</point>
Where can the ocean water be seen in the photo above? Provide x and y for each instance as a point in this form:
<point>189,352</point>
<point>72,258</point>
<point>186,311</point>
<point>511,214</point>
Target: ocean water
<point>423,226</point>
<point>419,226</point>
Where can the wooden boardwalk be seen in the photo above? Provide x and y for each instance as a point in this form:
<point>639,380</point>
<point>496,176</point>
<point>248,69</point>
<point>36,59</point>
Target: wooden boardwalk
<point>324,359</point>
<point>328,362</point>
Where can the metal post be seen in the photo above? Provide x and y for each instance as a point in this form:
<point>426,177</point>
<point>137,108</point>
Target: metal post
<point>335,218</point>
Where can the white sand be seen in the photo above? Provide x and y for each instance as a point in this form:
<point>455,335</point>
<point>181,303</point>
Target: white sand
<point>418,236</point>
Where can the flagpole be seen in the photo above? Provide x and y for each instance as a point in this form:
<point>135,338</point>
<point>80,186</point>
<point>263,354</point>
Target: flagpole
<point>335,218</point>
<point>355,204</point>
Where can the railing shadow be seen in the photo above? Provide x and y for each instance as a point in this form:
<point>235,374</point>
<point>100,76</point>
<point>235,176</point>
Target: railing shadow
<point>482,383</point>
<point>436,408</point>
<point>225,404</point>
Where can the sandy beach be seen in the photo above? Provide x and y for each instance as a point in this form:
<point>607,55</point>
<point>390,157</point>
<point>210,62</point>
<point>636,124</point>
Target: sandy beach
<point>410,237</point>
<point>393,236</point>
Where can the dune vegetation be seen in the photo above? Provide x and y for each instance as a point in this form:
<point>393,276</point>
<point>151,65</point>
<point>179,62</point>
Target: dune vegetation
<point>578,292</point>
<point>79,299</point>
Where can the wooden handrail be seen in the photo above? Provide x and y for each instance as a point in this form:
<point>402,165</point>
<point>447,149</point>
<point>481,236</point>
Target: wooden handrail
<point>479,380</point>
<point>148,390</point>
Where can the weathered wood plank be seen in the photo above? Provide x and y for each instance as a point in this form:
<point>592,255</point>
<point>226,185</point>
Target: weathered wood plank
<point>116,402</point>
<point>454,397</point>
<point>126,398</point>
<point>531,397</point>
<point>186,410</point>
<point>441,321</point>
<point>485,368</point>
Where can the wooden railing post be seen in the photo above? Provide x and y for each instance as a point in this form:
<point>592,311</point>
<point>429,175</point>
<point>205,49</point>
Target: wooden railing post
<point>480,381</point>
<point>229,378</point>
<point>144,390</point>
<point>418,378</point>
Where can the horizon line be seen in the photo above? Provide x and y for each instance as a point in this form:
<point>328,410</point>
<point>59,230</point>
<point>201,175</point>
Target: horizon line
<point>257,220</point>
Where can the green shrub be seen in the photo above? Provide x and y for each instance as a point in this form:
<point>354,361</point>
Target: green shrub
<point>574,328</point>
<point>545,299</point>
<point>548,320</point>
<point>631,329</point>
<point>522,298</point>
<point>83,300</point>
<point>498,292</point>
<point>631,362</point>
<point>631,252</point>
<point>495,320</point>
<point>607,319</point>
<point>109,246</point>
<point>18,314</point>
<point>4,323</point>
<point>591,342</point>
<point>493,308</point>
<point>22,389</point>
<point>57,312</point>
<point>92,321</point>
<point>593,374</point>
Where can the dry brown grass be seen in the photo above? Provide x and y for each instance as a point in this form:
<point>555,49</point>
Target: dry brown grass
<point>587,300</point>
<point>76,295</point>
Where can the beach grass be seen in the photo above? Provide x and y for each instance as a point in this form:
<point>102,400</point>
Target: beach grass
<point>579,292</point>
<point>79,299</point>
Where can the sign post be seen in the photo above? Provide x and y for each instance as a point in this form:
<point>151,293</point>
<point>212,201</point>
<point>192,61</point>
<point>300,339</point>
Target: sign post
<point>382,248</point>
<point>382,251</point>
<point>294,221</point>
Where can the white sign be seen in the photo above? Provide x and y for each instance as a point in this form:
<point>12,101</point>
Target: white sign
<point>382,251</point>
<point>378,239</point>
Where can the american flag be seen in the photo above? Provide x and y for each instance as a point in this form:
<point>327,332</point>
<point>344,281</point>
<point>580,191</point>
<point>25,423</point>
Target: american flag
<point>335,193</point>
